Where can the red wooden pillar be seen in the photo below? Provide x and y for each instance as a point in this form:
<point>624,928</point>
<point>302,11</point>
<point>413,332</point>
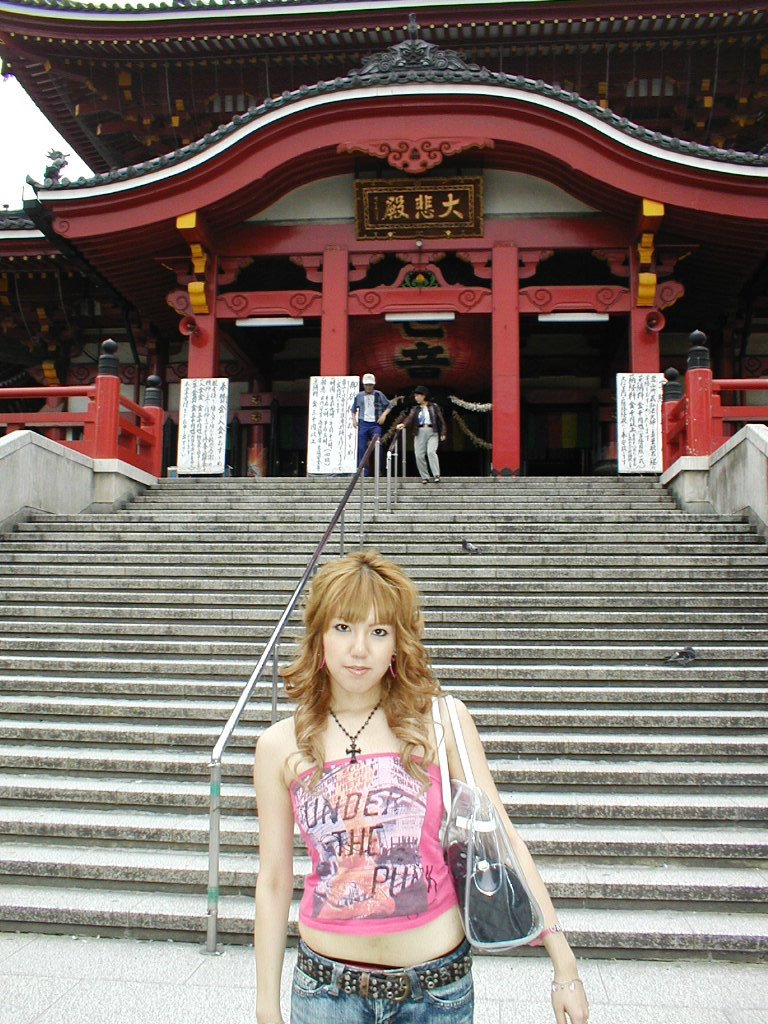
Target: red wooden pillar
<point>505,358</point>
<point>644,349</point>
<point>204,348</point>
<point>102,437</point>
<point>334,331</point>
<point>204,341</point>
<point>700,429</point>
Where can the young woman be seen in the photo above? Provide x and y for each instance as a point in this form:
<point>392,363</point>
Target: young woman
<point>356,768</point>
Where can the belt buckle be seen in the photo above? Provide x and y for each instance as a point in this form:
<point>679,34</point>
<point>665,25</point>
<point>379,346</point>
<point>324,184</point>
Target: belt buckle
<point>406,994</point>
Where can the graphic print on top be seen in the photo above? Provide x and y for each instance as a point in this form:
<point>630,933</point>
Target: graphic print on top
<point>367,826</point>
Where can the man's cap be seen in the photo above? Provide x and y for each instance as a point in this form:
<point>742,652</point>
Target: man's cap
<point>368,378</point>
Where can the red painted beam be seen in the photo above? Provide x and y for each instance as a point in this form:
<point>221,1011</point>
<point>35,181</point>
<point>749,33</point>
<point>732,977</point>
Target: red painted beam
<point>295,137</point>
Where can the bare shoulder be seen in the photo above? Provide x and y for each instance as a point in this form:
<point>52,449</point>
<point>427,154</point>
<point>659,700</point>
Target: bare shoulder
<point>278,737</point>
<point>274,747</point>
<point>463,712</point>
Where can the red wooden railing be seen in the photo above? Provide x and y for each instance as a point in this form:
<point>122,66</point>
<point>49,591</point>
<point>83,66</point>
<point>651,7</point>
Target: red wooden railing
<point>697,422</point>
<point>113,427</point>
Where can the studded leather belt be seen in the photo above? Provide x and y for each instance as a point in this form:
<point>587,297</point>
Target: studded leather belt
<point>394,985</point>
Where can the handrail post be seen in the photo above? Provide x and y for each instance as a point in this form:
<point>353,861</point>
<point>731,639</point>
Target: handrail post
<point>376,474</point>
<point>341,534</point>
<point>672,392</point>
<point>153,408</point>
<point>106,414</point>
<point>362,495</point>
<point>403,452</point>
<point>390,456</point>
<point>699,428</point>
<point>214,845</point>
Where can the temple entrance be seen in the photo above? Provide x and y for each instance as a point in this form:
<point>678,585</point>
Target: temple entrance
<point>568,372</point>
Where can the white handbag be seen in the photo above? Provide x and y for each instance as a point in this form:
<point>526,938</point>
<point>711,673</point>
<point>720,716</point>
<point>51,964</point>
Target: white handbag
<point>498,909</point>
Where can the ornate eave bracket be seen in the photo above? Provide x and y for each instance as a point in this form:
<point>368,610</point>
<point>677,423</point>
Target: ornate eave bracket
<point>415,156</point>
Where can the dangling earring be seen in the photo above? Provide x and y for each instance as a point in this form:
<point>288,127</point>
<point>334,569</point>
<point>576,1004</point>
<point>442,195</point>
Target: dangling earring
<point>393,666</point>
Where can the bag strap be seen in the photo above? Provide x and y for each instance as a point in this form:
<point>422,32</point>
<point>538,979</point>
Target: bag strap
<point>461,746</point>
<point>442,756</point>
<point>466,767</point>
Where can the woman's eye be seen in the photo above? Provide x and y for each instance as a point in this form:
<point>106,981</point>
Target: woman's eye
<point>342,627</point>
<point>381,631</point>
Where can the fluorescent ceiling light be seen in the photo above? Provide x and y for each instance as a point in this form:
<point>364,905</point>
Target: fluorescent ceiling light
<point>271,321</point>
<point>404,318</point>
<point>572,318</point>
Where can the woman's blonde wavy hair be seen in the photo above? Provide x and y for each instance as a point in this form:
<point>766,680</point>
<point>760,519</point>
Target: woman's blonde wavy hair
<point>347,589</point>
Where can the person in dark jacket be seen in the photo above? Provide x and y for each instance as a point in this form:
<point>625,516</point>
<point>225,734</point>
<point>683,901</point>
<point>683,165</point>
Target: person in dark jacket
<point>428,425</point>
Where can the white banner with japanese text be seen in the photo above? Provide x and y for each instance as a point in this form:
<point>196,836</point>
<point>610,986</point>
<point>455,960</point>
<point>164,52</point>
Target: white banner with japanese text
<point>203,411</point>
<point>638,412</point>
<point>332,437</point>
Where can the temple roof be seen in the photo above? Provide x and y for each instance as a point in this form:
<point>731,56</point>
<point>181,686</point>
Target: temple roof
<point>416,61</point>
<point>576,14</point>
<point>125,84</point>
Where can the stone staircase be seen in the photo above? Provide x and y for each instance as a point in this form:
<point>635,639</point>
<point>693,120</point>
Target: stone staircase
<point>640,787</point>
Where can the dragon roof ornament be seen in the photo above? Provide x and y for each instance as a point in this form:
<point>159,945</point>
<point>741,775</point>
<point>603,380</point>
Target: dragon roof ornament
<point>414,54</point>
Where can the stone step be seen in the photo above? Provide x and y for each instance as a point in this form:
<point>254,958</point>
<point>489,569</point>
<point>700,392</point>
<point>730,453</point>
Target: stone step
<point>143,869</point>
<point>187,694</point>
<point>23,633</point>
<point>102,673</point>
<point>472,566</point>
<point>75,824</point>
<point>203,717</point>
<point>410,488</point>
<point>505,551</point>
<point>120,526</point>
<point>592,772</point>
<point>545,590</point>
<point>743,577</point>
<point>220,657</point>
<point>54,616</point>
<point>117,912</point>
<point>530,604</point>
<point>622,739</point>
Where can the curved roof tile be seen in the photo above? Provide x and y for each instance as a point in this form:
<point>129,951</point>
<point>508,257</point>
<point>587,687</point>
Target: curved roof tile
<point>413,61</point>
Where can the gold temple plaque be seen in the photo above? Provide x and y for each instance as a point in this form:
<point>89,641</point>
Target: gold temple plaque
<point>430,208</point>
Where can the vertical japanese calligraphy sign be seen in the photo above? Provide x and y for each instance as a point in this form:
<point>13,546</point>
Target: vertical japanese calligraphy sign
<point>332,437</point>
<point>638,411</point>
<point>203,411</point>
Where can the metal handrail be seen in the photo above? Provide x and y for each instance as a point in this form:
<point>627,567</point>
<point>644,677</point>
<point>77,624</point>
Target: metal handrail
<point>395,449</point>
<point>271,649</point>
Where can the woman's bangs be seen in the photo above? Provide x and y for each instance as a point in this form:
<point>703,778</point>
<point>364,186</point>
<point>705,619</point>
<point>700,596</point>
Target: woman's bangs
<point>352,599</point>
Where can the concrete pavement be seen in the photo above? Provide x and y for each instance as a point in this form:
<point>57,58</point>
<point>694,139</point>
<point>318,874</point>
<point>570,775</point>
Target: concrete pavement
<point>48,979</point>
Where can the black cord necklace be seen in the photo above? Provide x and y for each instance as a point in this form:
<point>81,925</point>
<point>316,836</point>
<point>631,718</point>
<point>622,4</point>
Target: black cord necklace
<point>353,750</point>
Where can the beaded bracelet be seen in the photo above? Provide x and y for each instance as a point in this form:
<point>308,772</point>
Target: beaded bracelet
<point>561,986</point>
<point>557,927</point>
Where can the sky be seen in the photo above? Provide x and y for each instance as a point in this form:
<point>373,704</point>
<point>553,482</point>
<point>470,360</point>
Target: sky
<point>33,136</point>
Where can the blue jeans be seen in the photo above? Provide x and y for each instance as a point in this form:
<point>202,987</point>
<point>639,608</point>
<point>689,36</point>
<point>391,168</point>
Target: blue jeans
<point>315,1003</point>
<point>366,431</point>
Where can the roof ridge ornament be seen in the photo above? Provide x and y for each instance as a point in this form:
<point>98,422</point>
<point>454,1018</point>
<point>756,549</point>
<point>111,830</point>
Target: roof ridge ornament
<point>414,54</point>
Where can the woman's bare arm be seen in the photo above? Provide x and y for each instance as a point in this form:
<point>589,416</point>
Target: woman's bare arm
<point>274,888</point>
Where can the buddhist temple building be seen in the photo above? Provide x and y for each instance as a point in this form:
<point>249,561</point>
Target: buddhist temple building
<point>510,202</point>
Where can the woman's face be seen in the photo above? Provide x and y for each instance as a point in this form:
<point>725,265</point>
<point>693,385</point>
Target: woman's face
<point>421,399</point>
<point>358,654</point>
